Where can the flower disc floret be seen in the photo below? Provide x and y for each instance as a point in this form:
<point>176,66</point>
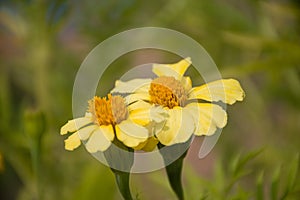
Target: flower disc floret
<point>167,91</point>
<point>108,111</point>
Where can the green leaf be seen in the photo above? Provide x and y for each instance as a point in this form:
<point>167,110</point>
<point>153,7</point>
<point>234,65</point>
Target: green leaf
<point>241,162</point>
<point>259,186</point>
<point>292,176</point>
<point>274,184</point>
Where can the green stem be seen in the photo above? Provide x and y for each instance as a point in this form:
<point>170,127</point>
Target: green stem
<point>174,175</point>
<point>120,159</point>
<point>174,170</point>
<point>122,180</point>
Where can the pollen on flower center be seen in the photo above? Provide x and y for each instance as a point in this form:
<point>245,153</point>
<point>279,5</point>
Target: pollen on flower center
<point>106,111</point>
<point>167,91</point>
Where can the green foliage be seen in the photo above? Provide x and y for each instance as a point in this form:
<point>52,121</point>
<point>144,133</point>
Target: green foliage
<point>232,180</point>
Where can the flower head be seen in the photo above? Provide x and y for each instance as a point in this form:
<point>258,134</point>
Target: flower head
<point>174,92</point>
<point>109,119</point>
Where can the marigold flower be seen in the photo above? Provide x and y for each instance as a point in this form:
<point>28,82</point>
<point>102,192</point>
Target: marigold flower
<point>174,92</point>
<point>111,118</point>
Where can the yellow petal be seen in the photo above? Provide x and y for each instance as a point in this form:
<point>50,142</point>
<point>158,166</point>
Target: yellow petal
<point>143,113</point>
<point>187,83</point>
<point>72,142</point>
<point>136,97</point>
<point>131,134</point>
<point>75,124</point>
<point>208,117</point>
<point>108,132</point>
<point>85,132</point>
<point>178,128</point>
<point>135,85</point>
<point>226,90</point>
<point>148,145</point>
<point>98,141</point>
<point>139,112</point>
<point>175,70</point>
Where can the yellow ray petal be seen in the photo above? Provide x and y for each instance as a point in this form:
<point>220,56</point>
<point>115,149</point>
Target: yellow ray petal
<point>131,134</point>
<point>187,83</point>
<point>85,132</point>
<point>108,132</point>
<point>143,113</point>
<point>148,145</point>
<point>208,117</point>
<point>98,141</point>
<point>75,124</point>
<point>139,112</point>
<point>178,128</point>
<point>175,70</point>
<point>226,90</point>
<point>72,142</point>
<point>135,85</point>
<point>136,97</point>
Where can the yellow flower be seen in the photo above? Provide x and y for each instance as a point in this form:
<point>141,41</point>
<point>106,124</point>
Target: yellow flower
<point>174,91</point>
<point>108,119</point>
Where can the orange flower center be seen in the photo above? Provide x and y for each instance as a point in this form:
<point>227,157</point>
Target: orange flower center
<point>106,111</point>
<point>167,91</point>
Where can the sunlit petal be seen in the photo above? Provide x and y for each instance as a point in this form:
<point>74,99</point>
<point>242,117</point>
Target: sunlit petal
<point>175,70</point>
<point>131,134</point>
<point>75,124</point>
<point>178,128</point>
<point>135,85</point>
<point>98,141</point>
<point>85,132</point>
<point>108,132</point>
<point>143,113</point>
<point>139,112</point>
<point>72,142</point>
<point>148,145</point>
<point>137,96</point>
<point>186,83</point>
<point>226,90</point>
<point>208,117</point>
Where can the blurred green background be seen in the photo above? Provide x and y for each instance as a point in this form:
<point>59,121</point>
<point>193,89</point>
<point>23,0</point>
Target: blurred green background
<point>42,44</point>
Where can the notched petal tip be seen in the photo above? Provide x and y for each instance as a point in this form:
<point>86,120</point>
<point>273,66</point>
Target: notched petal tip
<point>226,90</point>
<point>68,127</point>
<point>175,70</point>
<point>238,94</point>
<point>72,142</point>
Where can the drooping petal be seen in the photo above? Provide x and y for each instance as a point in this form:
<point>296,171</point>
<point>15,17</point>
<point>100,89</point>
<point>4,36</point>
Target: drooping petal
<point>75,124</point>
<point>131,134</point>
<point>135,85</point>
<point>178,128</point>
<point>72,142</point>
<point>207,117</point>
<point>98,141</point>
<point>175,70</point>
<point>148,145</point>
<point>226,90</point>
